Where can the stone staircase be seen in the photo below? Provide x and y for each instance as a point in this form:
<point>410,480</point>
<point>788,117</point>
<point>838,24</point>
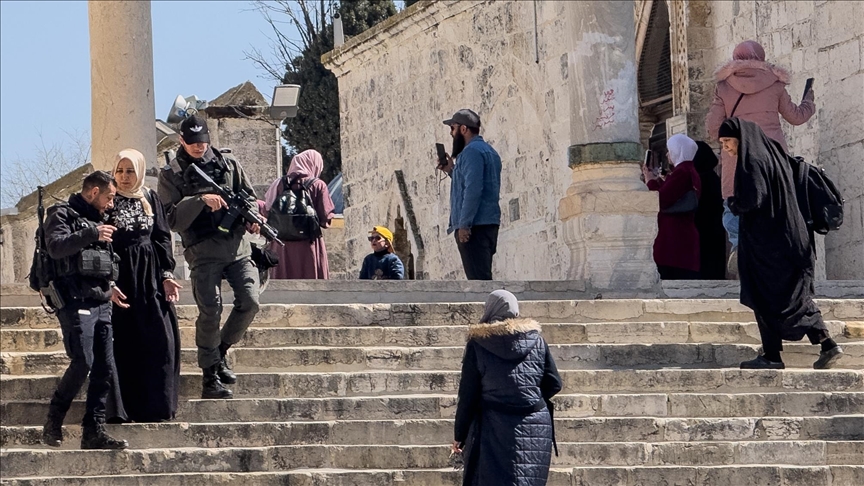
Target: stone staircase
<point>364,394</point>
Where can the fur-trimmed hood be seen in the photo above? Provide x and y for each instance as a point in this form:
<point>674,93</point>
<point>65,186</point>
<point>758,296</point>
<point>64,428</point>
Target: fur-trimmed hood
<point>751,76</point>
<point>512,339</point>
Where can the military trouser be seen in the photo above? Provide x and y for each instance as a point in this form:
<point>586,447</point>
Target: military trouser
<point>88,339</point>
<point>206,279</point>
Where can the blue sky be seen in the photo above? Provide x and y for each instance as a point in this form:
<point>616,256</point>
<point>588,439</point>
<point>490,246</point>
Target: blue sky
<point>44,49</point>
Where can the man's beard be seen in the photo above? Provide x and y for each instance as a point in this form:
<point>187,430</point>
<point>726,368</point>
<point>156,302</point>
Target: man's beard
<point>458,145</point>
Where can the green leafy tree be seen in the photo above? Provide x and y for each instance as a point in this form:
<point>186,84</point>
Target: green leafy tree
<point>296,59</point>
<point>408,3</point>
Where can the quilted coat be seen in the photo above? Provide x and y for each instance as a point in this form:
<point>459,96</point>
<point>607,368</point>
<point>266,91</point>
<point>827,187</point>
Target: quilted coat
<point>503,415</point>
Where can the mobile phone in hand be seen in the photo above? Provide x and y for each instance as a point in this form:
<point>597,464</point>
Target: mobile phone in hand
<point>442,154</point>
<point>807,87</point>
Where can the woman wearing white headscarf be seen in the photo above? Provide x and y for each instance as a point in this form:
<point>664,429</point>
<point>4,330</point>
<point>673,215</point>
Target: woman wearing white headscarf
<point>504,423</point>
<point>676,248</point>
<point>304,259</point>
<point>146,335</point>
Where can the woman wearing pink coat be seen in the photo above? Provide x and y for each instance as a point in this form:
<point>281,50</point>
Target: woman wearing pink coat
<point>306,259</point>
<point>761,89</point>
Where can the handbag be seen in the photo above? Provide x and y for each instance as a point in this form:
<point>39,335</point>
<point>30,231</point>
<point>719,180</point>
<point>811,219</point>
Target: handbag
<point>689,202</point>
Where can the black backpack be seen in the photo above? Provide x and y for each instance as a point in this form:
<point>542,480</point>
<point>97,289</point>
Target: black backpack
<point>293,214</point>
<point>818,198</point>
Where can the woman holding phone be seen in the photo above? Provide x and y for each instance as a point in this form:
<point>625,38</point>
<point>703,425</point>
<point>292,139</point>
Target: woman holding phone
<point>754,90</point>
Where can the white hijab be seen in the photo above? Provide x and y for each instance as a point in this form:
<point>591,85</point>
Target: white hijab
<point>140,166</point>
<point>681,148</point>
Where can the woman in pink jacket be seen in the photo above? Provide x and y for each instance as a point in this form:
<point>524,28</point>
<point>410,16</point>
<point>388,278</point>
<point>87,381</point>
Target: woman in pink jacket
<point>758,89</point>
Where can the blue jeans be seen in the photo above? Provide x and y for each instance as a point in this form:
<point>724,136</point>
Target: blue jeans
<point>730,222</point>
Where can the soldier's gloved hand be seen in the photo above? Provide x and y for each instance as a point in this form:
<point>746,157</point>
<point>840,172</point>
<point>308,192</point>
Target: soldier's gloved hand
<point>105,232</point>
<point>214,201</point>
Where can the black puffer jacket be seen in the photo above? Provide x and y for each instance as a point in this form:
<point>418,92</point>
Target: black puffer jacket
<point>508,376</point>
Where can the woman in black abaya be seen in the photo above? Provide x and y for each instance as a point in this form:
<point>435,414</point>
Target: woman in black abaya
<point>146,335</point>
<point>775,252</point>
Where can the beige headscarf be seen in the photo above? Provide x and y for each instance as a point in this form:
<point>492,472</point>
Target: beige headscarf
<point>140,166</point>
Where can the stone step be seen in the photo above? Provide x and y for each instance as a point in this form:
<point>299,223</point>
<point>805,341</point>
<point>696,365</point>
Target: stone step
<point>27,462</point>
<point>405,407</point>
<point>567,356</point>
<point>435,314</point>
<point>440,431</point>
<point>352,290</point>
<point>787,475</point>
<point>739,475</point>
<point>321,385</point>
<point>38,340</point>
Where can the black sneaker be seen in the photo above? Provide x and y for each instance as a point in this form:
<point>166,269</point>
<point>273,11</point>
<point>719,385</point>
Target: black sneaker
<point>827,359</point>
<point>762,363</point>
<point>52,433</point>
<point>97,438</point>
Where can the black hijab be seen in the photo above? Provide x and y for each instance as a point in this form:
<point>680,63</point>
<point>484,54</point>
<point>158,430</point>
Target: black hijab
<point>764,186</point>
<point>705,158</point>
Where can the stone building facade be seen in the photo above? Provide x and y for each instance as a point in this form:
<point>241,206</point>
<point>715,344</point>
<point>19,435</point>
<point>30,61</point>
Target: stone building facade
<point>401,82</point>
<point>518,65</point>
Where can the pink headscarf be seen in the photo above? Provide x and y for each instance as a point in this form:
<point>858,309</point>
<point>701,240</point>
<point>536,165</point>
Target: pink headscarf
<point>748,50</point>
<point>308,163</point>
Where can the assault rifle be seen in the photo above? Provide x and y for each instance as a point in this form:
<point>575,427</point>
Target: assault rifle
<point>42,271</point>
<point>239,206</point>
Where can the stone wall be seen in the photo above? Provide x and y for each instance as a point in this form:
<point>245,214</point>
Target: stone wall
<point>452,55</point>
<point>819,39</point>
<point>254,143</point>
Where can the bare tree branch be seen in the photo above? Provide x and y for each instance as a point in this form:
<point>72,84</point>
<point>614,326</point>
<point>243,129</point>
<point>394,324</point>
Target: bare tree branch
<point>48,162</point>
<point>302,18</point>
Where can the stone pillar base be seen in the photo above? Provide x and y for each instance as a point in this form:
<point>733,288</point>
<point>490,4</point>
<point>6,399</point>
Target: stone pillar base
<point>610,222</point>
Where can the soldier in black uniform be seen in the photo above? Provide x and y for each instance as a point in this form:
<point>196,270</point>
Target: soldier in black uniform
<point>195,211</point>
<point>79,242</point>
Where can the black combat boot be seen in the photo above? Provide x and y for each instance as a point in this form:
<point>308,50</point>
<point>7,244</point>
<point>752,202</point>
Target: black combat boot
<point>226,376</point>
<point>52,431</point>
<point>212,386</point>
<point>95,437</point>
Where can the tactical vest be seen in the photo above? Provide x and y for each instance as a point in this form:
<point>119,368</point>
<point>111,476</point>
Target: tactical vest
<point>96,260</point>
<point>206,224</point>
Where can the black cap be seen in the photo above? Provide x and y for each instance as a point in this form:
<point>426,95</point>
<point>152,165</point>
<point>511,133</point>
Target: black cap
<point>464,117</point>
<point>194,130</point>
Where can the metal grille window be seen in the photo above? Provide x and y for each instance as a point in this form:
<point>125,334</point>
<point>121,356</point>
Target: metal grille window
<point>655,65</point>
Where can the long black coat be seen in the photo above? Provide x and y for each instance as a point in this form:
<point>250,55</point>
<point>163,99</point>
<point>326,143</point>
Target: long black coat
<point>775,253</point>
<point>709,217</point>
<point>507,365</point>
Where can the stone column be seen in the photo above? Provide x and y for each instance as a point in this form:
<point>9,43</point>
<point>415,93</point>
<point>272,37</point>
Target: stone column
<point>609,216</point>
<point>121,80</point>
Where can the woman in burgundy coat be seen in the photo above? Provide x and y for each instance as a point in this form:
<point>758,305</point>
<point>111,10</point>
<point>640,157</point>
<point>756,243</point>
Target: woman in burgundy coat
<point>676,248</point>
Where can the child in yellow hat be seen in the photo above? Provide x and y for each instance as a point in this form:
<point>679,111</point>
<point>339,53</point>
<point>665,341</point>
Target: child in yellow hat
<point>382,263</point>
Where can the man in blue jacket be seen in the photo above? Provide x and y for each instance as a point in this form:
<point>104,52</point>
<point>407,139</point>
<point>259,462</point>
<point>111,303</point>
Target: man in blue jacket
<point>474,212</point>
